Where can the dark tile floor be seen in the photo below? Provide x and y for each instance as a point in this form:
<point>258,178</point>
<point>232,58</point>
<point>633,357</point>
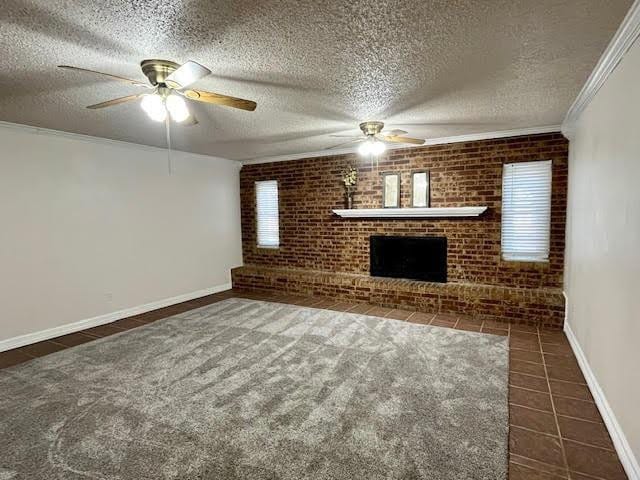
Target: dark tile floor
<point>556,431</point>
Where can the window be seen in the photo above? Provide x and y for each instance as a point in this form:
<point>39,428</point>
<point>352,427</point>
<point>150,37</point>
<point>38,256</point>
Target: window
<point>526,211</point>
<point>267,214</point>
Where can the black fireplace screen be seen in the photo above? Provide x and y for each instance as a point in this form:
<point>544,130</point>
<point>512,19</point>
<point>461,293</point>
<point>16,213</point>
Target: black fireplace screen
<point>418,258</point>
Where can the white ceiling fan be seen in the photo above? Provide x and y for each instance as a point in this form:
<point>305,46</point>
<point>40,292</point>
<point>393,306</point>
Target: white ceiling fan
<point>375,139</point>
<point>169,82</point>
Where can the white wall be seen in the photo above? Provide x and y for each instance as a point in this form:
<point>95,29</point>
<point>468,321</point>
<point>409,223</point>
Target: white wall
<point>89,227</point>
<point>602,271</point>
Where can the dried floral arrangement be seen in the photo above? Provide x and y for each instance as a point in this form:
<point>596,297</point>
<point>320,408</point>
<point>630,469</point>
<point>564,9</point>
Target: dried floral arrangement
<point>350,177</point>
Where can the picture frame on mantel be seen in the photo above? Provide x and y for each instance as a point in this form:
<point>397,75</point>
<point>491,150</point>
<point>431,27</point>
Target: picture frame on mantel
<point>420,189</point>
<point>391,190</point>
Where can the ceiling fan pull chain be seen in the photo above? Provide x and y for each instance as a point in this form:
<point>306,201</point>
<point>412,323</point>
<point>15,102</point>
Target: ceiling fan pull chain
<point>167,124</point>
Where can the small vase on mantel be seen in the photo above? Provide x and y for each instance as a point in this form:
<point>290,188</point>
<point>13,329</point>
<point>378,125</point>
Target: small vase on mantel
<point>349,180</point>
<point>349,199</point>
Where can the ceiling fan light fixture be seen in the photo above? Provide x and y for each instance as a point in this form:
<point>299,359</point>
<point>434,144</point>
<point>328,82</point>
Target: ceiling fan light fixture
<point>153,105</point>
<point>177,108</point>
<point>371,147</point>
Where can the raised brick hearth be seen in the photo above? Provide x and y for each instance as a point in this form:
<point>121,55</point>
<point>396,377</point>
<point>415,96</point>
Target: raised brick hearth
<point>533,306</point>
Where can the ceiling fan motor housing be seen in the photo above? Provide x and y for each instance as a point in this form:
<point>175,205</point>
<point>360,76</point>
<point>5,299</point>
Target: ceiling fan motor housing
<point>371,128</point>
<point>158,70</point>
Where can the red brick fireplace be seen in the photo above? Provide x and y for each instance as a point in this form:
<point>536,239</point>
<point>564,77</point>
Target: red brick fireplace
<point>323,254</point>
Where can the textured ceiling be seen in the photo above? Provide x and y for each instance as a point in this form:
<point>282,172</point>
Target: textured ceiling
<point>435,68</point>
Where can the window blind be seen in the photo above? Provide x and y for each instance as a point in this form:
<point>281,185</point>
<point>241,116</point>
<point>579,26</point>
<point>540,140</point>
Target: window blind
<point>267,213</point>
<point>526,211</point>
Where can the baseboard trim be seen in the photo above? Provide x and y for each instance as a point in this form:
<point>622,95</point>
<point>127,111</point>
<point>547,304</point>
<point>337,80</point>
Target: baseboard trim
<point>34,337</point>
<point>620,442</point>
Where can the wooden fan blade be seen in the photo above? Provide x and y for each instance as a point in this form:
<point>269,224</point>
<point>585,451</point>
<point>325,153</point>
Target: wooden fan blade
<point>115,77</point>
<point>186,74</point>
<point>218,99</point>
<point>397,139</point>
<point>115,101</point>
<point>393,133</point>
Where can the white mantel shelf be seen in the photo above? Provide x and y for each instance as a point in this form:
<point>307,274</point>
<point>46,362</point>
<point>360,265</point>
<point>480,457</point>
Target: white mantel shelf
<point>410,212</point>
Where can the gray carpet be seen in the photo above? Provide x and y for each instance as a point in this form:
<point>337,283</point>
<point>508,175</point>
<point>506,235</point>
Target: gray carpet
<point>243,389</point>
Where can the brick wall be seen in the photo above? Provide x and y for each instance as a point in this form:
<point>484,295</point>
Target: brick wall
<point>462,174</point>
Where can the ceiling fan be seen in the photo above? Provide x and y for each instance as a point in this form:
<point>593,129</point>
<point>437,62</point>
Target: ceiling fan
<point>168,82</point>
<point>375,140</point>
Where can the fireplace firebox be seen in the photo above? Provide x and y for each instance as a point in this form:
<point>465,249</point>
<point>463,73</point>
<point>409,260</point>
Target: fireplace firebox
<point>417,258</point>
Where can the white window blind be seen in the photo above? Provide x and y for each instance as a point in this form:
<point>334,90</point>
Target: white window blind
<point>526,211</point>
<point>267,213</point>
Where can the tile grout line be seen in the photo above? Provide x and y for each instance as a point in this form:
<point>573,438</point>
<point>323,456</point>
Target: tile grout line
<point>569,397</point>
<point>531,408</point>
<point>520,372</point>
<point>546,354</point>
<point>562,396</point>
<point>566,466</point>
<point>591,445</point>
<point>555,413</point>
<point>542,471</point>
<point>599,447</point>
<point>554,379</point>
<point>537,432</point>
<point>31,357</point>
<point>588,475</point>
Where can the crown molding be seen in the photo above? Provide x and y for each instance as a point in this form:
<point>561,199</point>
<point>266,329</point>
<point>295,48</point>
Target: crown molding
<point>431,141</point>
<point>516,132</point>
<point>624,37</point>
<point>101,140</point>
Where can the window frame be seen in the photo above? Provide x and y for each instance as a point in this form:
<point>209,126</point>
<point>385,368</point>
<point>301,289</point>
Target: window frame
<point>257,215</point>
<point>521,258</point>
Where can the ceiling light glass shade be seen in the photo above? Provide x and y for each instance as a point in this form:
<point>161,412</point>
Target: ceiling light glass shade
<point>154,106</point>
<point>378,147</point>
<point>364,148</point>
<point>371,147</point>
<point>177,108</point>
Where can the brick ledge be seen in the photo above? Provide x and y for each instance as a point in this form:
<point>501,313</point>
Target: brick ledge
<point>534,306</point>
